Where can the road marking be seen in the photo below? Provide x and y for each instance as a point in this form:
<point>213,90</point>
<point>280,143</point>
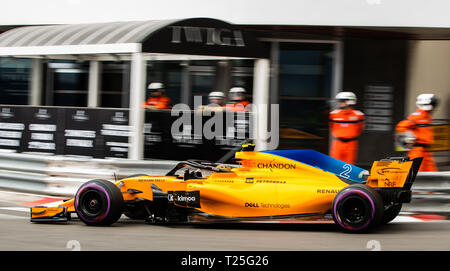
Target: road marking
<point>428,217</point>
<point>3,216</point>
<point>403,219</point>
<point>18,209</point>
<point>44,201</point>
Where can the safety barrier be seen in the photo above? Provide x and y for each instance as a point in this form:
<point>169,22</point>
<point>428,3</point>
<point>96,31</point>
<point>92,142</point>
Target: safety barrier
<point>62,175</point>
<point>431,193</point>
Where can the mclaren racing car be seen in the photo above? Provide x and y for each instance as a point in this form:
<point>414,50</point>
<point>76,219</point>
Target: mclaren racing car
<point>280,184</point>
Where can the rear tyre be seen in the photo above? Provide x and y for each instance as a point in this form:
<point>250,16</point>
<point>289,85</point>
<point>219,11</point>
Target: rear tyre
<point>357,208</point>
<point>391,213</point>
<point>99,203</point>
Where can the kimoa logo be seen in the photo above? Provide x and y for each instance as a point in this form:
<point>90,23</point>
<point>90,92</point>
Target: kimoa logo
<point>184,198</point>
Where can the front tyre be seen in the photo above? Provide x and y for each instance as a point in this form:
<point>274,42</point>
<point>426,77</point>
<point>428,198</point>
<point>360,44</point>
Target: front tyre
<point>99,203</point>
<point>357,208</point>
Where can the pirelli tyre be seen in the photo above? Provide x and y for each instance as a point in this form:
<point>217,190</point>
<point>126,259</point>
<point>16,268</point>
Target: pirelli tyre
<point>357,208</point>
<point>99,203</point>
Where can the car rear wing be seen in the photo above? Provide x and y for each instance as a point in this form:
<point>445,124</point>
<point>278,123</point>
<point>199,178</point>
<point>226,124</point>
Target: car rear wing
<point>394,172</point>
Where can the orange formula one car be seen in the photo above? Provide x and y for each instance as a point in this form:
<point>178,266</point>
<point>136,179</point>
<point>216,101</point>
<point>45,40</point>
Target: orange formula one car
<point>294,184</point>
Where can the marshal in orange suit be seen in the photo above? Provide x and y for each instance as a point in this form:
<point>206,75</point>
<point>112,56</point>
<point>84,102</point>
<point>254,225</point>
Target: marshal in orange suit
<point>346,124</point>
<point>157,99</point>
<point>417,131</point>
<point>237,101</point>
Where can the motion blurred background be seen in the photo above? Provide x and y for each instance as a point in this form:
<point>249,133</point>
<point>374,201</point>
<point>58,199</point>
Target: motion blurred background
<point>73,73</point>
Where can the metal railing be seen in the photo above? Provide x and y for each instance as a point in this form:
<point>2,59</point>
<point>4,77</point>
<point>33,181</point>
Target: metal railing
<point>62,175</point>
<point>431,193</point>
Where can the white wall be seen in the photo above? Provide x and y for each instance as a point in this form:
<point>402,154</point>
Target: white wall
<point>429,72</point>
<point>291,12</point>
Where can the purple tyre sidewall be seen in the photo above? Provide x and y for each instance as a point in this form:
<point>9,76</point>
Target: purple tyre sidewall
<point>343,196</point>
<point>98,188</point>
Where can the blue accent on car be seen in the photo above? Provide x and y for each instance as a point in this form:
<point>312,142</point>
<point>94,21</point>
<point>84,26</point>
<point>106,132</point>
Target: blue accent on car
<point>324,162</point>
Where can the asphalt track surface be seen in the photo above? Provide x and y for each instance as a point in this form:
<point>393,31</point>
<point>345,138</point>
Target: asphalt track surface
<point>18,234</point>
